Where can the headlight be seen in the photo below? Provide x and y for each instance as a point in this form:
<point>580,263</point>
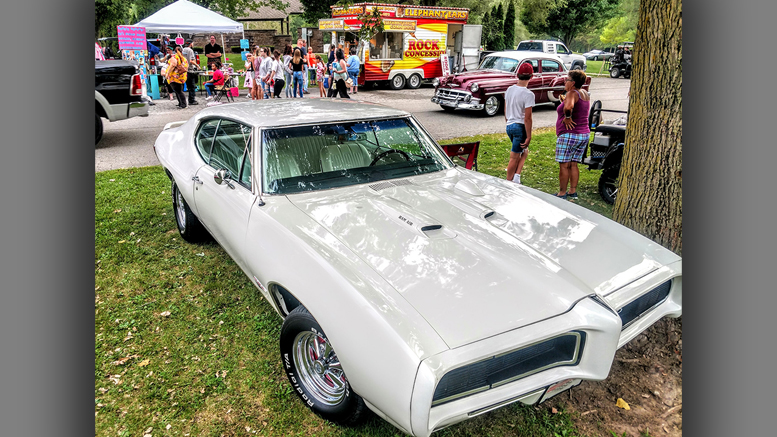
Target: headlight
<point>474,87</point>
<point>436,82</point>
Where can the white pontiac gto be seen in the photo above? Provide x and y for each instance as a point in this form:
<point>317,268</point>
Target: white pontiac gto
<point>423,291</point>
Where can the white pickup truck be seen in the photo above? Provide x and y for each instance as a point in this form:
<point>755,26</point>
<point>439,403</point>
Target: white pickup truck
<point>571,60</point>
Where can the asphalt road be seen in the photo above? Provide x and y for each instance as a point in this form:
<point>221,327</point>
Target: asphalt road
<point>129,143</point>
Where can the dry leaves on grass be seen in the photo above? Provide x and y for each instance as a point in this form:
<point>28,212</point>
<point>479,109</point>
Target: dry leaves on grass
<point>165,314</point>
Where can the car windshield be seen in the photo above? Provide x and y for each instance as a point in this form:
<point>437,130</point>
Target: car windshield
<point>321,156</point>
<point>534,46</point>
<point>499,63</point>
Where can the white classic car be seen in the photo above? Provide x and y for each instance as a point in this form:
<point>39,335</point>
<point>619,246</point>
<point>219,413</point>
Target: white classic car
<point>423,291</point>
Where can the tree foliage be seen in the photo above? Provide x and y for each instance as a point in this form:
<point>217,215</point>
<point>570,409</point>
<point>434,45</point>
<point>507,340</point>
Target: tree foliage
<point>509,25</point>
<point>485,36</point>
<point>496,41</point>
<point>112,13</point>
<point>649,196</point>
<point>622,27</point>
<point>565,19</point>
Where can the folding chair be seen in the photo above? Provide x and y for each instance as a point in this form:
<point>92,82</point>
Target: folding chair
<point>465,152</point>
<point>223,90</point>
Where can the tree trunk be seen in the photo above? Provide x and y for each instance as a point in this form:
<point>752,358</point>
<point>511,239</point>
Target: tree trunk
<point>649,198</point>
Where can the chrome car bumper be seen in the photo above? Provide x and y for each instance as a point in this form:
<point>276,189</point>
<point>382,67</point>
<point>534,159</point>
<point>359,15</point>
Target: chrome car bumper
<point>138,109</point>
<point>456,99</point>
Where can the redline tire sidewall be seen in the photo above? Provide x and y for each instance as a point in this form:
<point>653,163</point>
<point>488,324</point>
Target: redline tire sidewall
<point>296,322</point>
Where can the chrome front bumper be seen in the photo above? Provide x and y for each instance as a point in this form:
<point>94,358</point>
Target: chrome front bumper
<point>456,99</point>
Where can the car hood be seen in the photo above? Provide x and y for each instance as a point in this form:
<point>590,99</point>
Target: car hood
<point>477,257</point>
<point>475,75</point>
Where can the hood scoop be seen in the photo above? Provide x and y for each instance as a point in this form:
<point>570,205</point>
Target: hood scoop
<point>389,184</point>
<point>414,221</point>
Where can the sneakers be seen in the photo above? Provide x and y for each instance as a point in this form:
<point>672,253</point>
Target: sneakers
<point>572,196</point>
<point>193,103</point>
<point>517,178</point>
<point>562,196</point>
<point>209,98</point>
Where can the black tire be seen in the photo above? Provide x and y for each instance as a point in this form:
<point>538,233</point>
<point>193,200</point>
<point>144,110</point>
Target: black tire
<point>608,183</point>
<point>414,82</point>
<point>189,225</point>
<point>313,379</point>
<point>98,129</point>
<point>491,106</point>
<point>397,82</point>
<point>614,72</point>
<point>447,108</point>
<point>576,66</point>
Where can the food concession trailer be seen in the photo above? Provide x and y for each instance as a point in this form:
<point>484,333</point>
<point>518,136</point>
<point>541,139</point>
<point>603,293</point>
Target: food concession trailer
<point>418,42</point>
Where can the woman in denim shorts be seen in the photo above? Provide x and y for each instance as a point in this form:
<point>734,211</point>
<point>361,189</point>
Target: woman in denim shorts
<point>573,133</point>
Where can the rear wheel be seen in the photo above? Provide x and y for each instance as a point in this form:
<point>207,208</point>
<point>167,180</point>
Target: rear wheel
<point>189,225</point>
<point>314,370</point>
<point>98,129</point>
<point>491,106</point>
<point>414,82</point>
<point>614,72</point>
<point>608,183</point>
<point>397,82</point>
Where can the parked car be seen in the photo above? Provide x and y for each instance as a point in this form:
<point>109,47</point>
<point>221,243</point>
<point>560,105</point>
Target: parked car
<point>596,55</point>
<point>571,60</point>
<point>483,89</point>
<point>409,286</point>
<point>118,92</point>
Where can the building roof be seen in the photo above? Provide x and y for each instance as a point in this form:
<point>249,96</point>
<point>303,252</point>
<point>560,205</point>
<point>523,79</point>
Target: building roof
<point>268,13</point>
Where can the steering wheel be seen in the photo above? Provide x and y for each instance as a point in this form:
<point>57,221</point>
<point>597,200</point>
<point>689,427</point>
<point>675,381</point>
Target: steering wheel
<point>595,114</point>
<point>380,155</point>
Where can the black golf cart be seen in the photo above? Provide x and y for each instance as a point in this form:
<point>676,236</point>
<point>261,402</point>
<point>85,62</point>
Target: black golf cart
<point>605,151</point>
<point>620,62</point>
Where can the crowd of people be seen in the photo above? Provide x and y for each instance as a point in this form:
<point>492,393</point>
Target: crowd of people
<point>572,129</point>
<point>270,72</point>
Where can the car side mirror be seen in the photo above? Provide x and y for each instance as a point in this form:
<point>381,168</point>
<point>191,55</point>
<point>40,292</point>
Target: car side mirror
<point>221,176</point>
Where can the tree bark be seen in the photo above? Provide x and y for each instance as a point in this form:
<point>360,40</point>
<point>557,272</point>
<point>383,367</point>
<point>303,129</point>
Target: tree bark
<point>649,198</point>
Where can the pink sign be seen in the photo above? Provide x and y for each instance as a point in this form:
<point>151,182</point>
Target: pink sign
<point>132,38</point>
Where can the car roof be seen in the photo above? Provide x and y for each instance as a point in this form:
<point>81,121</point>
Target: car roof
<point>293,112</point>
<point>523,54</point>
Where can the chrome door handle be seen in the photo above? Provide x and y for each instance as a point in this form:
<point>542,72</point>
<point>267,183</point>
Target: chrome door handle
<point>197,180</point>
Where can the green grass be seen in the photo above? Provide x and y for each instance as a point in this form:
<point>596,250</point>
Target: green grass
<point>211,367</point>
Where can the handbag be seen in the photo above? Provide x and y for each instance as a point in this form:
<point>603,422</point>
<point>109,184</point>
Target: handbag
<point>181,68</point>
<point>248,83</point>
<point>349,82</point>
<point>326,82</point>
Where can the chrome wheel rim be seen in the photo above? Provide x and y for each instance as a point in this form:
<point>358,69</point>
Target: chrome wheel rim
<point>415,81</point>
<point>492,105</point>
<point>399,82</point>
<point>319,369</point>
<point>180,213</point>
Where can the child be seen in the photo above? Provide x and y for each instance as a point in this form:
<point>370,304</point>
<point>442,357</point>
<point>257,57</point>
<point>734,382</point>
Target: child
<point>320,76</point>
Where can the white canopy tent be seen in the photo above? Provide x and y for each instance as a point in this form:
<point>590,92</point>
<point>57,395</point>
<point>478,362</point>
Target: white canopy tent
<point>184,16</point>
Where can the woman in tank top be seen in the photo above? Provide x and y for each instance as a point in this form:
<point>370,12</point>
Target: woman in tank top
<point>573,133</point>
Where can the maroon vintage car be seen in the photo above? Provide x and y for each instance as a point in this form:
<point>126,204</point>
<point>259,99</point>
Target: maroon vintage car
<point>483,89</point>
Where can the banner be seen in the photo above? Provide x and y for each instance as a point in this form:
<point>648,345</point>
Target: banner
<point>399,25</point>
<point>331,24</point>
<point>445,64</point>
<point>131,37</point>
<point>244,43</point>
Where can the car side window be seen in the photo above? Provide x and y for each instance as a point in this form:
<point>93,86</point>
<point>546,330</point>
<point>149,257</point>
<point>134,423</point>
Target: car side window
<point>205,138</point>
<point>231,148</point>
<point>561,49</point>
<point>549,66</point>
<point>534,64</point>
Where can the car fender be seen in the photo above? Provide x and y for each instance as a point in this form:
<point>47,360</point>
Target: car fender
<point>102,102</point>
<point>181,167</point>
<point>370,325</point>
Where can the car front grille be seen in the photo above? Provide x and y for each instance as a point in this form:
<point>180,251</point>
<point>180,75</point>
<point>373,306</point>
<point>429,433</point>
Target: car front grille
<point>452,95</point>
<point>564,350</point>
<point>631,311</point>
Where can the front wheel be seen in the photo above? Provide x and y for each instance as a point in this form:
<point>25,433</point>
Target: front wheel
<point>397,82</point>
<point>314,371</point>
<point>614,72</point>
<point>189,225</point>
<point>491,107</point>
<point>608,183</point>
<point>98,129</point>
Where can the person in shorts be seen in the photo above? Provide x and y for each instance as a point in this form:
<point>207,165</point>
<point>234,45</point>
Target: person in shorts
<point>573,133</point>
<point>518,116</point>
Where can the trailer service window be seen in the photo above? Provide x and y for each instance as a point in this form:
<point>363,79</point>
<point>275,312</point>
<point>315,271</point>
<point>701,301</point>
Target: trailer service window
<point>386,45</point>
